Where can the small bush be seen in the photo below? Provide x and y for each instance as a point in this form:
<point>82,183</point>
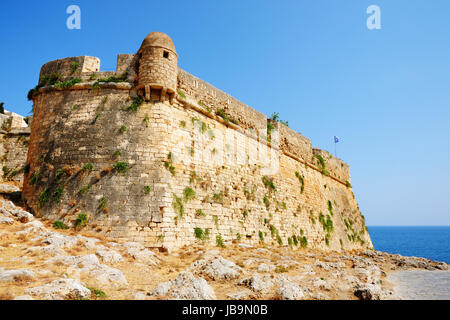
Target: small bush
<point>295,240</point>
<point>123,129</point>
<point>199,213</point>
<point>43,197</point>
<point>60,225</point>
<point>35,177</point>
<point>348,184</point>
<point>74,66</point>
<point>189,194</point>
<point>146,189</point>
<point>281,269</point>
<point>178,206</point>
<point>304,242</point>
<point>58,194</point>
<point>302,181</point>
<point>81,221</point>
<point>279,240</point>
<point>136,104</point>
<point>261,236</point>
<point>68,84</point>
<point>103,203</point>
<point>269,183</point>
<point>121,167</point>
<point>181,94</point>
<point>88,167</point>
<point>219,241</point>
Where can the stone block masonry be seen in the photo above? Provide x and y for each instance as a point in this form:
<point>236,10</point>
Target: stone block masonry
<point>166,159</point>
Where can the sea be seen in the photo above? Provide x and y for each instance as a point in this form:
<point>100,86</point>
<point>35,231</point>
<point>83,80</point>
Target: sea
<point>427,242</point>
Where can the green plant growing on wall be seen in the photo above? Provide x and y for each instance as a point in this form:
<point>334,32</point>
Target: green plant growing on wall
<point>178,206</point>
<point>266,202</point>
<point>121,167</point>
<point>218,197</point>
<point>117,153</point>
<point>330,208</point>
<point>279,240</point>
<point>81,221</point>
<point>136,103</point>
<point>270,128</point>
<point>123,129</point>
<point>181,94</point>
<point>304,242</point>
<point>74,66</point>
<point>295,240</point>
<point>60,225</point>
<point>146,189</point>
<point>216,221</point>
<point>321,164</point>
<point>245,213</point>
<point>35,177</point>
<point>199,213</point>
<point>261,236</point>
<point>110,79</point>
<point>302,181</point>
<point>45,80</point>
<point>327,239</point>
<point>189,194</point>
<point>67,84</point>
<point>146,119</point>
<point>43,197</point>
<point>201,234</point>
<point>219,241</point>
<point>348,184</point>
<point>58,194</point>
<point>221,113</point>
<point>326,224</point>
<point>103,203</point>
<point>169,164</point>
<point>273,231</point>
<point>88,167</point>
<point>290,242</point>
<point>84,189</point>
<point>183,124</point>
<point>276,117</point>
<point>268,183</point>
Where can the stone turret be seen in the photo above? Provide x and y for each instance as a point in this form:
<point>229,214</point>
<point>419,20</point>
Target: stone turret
<point>158,68</point>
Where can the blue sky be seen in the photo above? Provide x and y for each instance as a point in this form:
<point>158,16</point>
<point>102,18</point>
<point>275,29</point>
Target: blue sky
<point>385,93</point>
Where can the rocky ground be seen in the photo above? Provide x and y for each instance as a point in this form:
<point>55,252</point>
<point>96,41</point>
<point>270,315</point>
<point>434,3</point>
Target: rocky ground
<point>38,261</point>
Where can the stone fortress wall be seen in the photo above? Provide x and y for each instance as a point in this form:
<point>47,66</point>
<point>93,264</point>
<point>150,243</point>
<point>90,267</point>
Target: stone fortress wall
<point>168,166</point>
<point>14,138</point>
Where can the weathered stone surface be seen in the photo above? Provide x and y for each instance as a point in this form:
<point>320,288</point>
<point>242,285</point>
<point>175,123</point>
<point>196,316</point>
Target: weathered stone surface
<point>60,241</point>
<point>16,275</point>
<point>61,289</point>
<point>109,256</point>
<point>290,291</point>
<point>6,220</point>
<point>258,283</point>
<point>186,287</point>
<point>218,268</point>
<point>8,188</point>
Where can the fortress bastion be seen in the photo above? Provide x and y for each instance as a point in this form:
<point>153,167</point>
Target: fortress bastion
<point>152,154</point>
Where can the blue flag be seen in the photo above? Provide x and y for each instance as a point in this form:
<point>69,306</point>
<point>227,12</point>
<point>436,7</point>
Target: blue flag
<point>336,139</point>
